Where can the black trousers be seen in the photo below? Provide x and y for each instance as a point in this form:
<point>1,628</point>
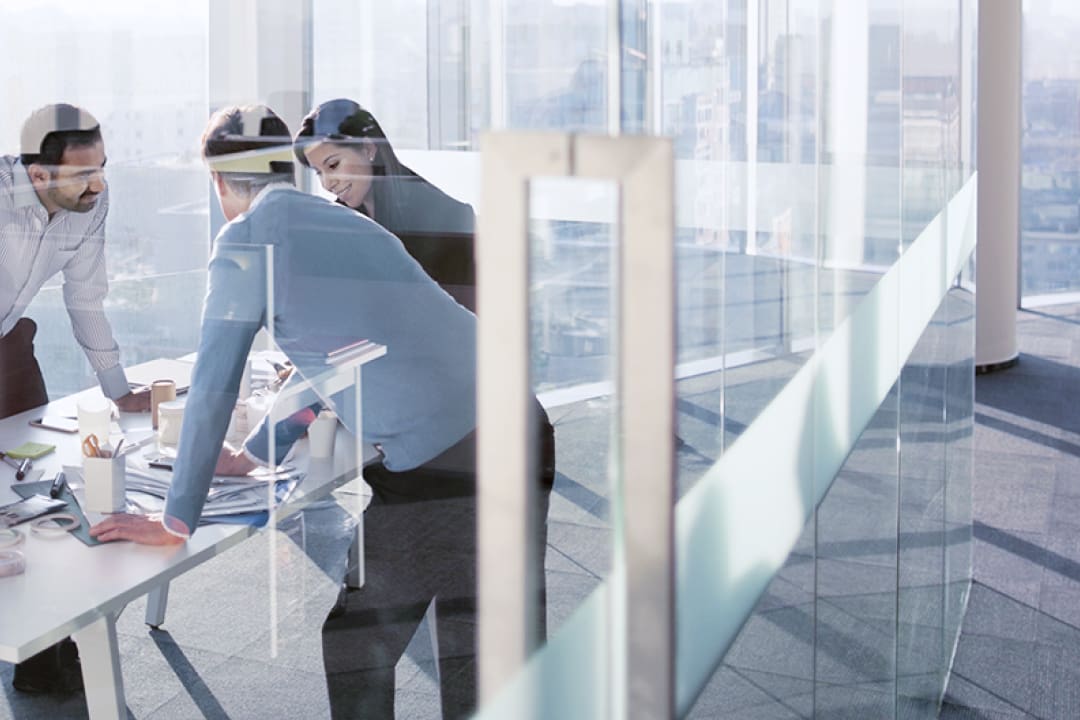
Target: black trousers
<point>419,546</point>
<point>21,384</point>
<point>22,387</point>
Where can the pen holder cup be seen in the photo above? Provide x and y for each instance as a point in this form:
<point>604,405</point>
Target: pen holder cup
<point>104,479</point>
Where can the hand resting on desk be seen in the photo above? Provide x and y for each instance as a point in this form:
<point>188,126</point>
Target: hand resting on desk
<point>142,529</point>
<point>137,401</point>
<point>147,530</point>
<point>233,462</point>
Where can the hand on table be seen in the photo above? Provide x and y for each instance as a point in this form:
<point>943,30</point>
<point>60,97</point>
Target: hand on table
<point>233,462</point>
<point>137,401</point>
<point>141,529</point>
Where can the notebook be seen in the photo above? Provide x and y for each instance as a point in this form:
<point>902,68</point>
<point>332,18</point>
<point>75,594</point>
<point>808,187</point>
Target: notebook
<point>328,349</point>
<point>179,371</point>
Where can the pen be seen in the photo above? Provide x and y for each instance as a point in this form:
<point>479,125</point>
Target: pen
<point>57,485</point>
<point>21,467</point>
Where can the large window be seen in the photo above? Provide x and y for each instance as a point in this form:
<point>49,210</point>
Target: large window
<point>1050,189</point>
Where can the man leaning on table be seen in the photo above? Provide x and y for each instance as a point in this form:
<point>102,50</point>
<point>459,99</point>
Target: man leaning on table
<point>337,273</point>
<point>53,203</point>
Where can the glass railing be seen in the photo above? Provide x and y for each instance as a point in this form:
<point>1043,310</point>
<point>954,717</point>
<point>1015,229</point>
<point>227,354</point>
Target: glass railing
<point>869,440</point>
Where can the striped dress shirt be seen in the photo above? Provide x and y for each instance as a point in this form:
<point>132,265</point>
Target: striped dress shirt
<point>33,248</point>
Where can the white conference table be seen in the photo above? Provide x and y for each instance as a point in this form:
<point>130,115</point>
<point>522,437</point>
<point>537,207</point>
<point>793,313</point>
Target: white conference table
<point>69,588</point>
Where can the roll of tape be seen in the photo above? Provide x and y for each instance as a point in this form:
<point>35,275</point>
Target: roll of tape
<point>11,563</point>
<point>10,537</point>
<point>55,525</point>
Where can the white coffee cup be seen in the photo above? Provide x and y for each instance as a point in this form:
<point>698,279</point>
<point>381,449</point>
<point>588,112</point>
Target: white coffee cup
<point>94,414</point>
<point>321,435</point>
<point>170,418</point>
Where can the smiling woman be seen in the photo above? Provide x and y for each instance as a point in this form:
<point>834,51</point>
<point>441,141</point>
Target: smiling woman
<point>348,150</point>
<point>346,172</point>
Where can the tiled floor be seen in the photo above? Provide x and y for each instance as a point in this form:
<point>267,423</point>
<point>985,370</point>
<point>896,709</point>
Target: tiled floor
<point>1019,651</point>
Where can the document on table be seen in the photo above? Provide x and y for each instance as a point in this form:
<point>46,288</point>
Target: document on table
<point>148,487</point>
<point>179,371</point>
<point>228,495</point>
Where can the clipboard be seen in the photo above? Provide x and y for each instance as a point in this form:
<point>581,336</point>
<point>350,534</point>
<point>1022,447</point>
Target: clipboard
<point>83,531</point>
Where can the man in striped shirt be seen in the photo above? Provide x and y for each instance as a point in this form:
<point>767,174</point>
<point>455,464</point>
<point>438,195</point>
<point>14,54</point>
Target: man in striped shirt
<point>53,203</point>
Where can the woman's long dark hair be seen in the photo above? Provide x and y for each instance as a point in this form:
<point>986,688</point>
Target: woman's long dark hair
<point>343,122</point>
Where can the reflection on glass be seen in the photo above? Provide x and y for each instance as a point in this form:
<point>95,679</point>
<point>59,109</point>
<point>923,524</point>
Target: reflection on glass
<point>921,652</point>
<point>959,432</point>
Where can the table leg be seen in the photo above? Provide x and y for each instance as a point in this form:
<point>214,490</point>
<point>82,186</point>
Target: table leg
<point>156,602</point>
<point>354,578</point>
<point>100,660</point>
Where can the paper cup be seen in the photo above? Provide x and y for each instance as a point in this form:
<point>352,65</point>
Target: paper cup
<point>160,391</point>
<point>170,418</point>
<point>94,414</point>
<point>321,435</point>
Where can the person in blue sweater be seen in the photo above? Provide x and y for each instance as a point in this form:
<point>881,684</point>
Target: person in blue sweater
<point>338,273</point>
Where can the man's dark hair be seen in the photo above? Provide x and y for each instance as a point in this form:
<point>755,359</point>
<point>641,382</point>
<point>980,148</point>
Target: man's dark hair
<point>251,129</point>
<point>50,130</point>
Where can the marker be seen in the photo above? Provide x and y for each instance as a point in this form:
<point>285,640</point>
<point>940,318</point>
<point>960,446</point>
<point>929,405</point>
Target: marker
<point>57,485</point>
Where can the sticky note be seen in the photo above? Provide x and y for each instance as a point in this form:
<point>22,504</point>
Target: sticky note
<point>32,450</point>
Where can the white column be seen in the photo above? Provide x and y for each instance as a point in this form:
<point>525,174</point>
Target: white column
<point>848,49</point>
<point>998,160</point>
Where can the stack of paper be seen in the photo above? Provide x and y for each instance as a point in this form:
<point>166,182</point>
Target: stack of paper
<point>227,495</point>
